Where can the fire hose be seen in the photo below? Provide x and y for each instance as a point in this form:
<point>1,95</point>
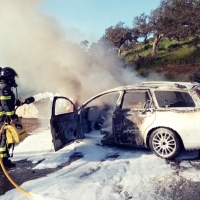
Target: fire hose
<point>11,180</point>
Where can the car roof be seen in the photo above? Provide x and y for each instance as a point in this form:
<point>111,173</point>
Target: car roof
<point>148,85</point>
<point>170,83</point>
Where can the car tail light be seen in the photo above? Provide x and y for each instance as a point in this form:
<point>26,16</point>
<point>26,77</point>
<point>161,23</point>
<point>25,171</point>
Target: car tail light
<point>197,90</point>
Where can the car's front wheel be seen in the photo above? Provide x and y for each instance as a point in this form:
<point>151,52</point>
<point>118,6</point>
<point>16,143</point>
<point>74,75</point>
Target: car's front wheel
<point>165,143</point>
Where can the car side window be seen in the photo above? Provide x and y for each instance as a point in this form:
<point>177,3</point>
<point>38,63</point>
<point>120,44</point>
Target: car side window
<point>135,99</point>
<point>63,106</point>
<point>174,99</point>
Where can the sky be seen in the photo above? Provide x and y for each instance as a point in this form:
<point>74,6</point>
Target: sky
<point>100,174</point>
<point>90,18</point>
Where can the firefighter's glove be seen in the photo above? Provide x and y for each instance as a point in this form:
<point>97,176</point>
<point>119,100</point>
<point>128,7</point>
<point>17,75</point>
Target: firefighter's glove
<point>19,103</point>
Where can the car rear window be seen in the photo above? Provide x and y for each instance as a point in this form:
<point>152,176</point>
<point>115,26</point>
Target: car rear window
<point>174,99</point>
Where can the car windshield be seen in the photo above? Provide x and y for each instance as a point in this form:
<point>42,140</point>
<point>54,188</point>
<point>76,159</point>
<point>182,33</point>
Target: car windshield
<point>174,99</point>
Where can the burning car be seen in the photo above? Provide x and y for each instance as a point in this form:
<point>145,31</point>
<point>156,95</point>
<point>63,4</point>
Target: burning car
<point>161,116</point>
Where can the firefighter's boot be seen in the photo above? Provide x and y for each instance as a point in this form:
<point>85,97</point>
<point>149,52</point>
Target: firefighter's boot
<point>8,163</point>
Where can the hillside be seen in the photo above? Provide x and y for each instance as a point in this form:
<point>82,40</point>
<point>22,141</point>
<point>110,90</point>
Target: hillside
<point>176,61</point>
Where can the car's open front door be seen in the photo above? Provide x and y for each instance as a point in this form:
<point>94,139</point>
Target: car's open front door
<point>64,122</point>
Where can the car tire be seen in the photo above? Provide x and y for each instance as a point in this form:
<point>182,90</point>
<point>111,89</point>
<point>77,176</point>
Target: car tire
<point>165,143</point>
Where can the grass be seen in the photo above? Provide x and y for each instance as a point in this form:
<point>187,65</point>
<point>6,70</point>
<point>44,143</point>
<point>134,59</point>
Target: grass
<point>173,60</point>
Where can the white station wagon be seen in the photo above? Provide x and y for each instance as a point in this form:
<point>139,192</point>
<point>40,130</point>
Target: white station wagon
<point>161,116</point>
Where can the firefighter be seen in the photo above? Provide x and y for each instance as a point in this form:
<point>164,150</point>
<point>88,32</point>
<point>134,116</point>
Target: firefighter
<point>7,110</point>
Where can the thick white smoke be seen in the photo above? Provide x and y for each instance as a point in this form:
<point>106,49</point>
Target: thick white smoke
<point>37,48</point>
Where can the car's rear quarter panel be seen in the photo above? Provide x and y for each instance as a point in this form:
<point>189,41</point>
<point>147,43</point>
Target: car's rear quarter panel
<point>185,122</point>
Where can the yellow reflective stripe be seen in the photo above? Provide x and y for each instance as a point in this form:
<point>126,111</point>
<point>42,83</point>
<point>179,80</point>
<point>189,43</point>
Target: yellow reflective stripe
<point>10,113</point>
<point>5,97</point>
<point>3,155</point>
<point>2,113</point>
<point>3,148</point>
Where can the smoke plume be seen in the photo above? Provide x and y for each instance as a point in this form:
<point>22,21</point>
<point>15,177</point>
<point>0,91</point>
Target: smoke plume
<point>37,48</point>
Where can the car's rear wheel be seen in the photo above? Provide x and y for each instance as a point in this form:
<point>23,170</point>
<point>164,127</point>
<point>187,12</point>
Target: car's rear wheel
<point>165,143</point>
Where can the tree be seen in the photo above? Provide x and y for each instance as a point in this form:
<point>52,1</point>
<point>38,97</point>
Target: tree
<point>175,19</point>
<point>118,35</point>
<point>142,28</point>
<point>162,23</point>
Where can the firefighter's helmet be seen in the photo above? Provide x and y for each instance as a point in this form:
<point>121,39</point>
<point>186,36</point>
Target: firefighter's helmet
<point>9,74</point>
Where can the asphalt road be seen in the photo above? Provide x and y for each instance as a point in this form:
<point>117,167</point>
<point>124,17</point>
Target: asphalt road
<point>24,172</point>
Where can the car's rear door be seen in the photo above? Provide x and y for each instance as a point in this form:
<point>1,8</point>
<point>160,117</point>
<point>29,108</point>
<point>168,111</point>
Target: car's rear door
<point>64,122</point>
<point>132,118</point>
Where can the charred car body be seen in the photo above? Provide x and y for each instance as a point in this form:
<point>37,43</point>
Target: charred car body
<point>162,116</point>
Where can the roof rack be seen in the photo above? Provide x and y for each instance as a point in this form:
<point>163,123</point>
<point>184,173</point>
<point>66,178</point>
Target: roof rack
<point>167,83</point>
